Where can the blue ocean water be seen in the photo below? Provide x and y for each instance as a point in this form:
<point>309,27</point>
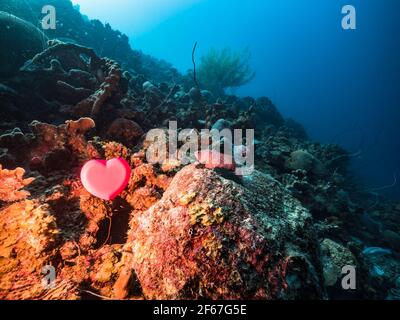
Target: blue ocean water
<point>342,85</point>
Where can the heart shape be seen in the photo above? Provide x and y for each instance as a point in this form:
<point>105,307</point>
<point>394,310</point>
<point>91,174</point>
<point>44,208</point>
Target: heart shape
<point>105,179</point>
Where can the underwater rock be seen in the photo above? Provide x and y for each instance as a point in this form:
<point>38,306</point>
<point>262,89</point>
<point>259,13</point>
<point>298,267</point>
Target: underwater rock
<point>150,88</point>
<point>70,94</point>
<point>19,42</point>
<point>126,131</point>
<point>334,258</point>
<point>74,28</point>
<point>222,124</point>
<point>49,148</point>
<point>235,242</point>
<point>195,95</point>
<point>64,81</point>
<point>49,137</point>
<point>303,160</point>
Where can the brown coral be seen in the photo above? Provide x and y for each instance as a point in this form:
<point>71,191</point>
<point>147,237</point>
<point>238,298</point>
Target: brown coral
<point>126,131</point>
<point>65,137</point>
<point>93,104</point>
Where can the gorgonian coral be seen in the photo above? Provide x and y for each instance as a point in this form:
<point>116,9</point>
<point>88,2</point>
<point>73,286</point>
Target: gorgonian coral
<point>222,69</point>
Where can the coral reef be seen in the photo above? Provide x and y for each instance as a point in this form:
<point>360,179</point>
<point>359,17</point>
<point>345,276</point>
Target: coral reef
<point>74,28</point>
<point>176,231</point>
<point>208,238</point>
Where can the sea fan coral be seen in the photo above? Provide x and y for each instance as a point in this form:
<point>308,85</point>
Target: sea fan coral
<point>11,183</point>
<point>222,69</point>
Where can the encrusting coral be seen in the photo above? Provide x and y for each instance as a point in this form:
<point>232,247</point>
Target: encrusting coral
<point>27,240</point>
<point>11,183</point>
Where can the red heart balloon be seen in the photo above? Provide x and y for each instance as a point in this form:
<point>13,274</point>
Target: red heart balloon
<point>105,179</point>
